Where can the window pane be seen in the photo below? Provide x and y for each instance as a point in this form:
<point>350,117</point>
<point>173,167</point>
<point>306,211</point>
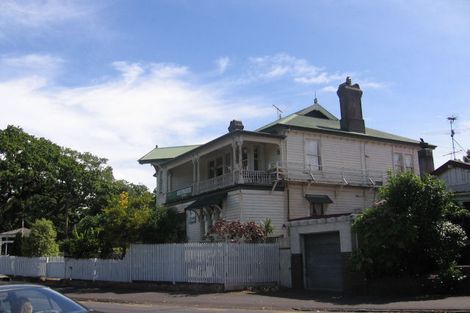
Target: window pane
<point>408,162</point>
<point>398,162</point>
<point>312,157</point>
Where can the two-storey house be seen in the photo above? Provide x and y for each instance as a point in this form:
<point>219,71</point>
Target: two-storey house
<point>308,172</point>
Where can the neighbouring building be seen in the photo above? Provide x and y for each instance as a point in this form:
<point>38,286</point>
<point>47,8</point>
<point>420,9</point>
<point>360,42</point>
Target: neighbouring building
<point>309,172</point>
<point>8,238</point>
<point>456,175</point>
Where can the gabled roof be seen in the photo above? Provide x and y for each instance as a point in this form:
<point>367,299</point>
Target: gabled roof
<point>450,164</point>
<point>316,110</point>
<point>328,123</point>
<point>165,153</point>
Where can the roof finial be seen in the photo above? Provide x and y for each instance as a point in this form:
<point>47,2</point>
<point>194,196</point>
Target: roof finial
<point>315,100</point>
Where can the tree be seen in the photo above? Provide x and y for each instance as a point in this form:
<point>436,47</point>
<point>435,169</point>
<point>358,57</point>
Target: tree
<point>124,219</point>
<point>85,241</point>
<point>164,226</point>
<point>412,231</point>
<point>42,240</point>
<point>41,179</point>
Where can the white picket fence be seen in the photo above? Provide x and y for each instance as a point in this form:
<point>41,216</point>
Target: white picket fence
<point>231,264</point>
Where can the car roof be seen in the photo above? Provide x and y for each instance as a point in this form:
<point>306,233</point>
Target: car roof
<point>13,287</point>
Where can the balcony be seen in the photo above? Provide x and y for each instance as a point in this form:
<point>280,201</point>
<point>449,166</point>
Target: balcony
<point>287,171</point>
<point>259,178</point>
<point>329,175</point>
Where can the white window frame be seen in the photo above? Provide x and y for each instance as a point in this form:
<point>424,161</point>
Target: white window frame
<point>312,155</point>
<point>400,162</point>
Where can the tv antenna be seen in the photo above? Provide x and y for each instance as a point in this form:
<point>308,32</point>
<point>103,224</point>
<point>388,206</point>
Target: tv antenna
<point>452,120</point>
<point>279,112</point>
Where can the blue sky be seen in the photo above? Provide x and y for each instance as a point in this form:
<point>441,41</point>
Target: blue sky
<point>118,77</point>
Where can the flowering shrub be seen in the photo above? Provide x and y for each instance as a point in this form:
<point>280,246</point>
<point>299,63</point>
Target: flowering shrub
<point>237,231</point>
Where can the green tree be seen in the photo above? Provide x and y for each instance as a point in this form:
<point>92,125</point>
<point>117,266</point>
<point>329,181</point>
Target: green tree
<point>85,241</point>
<point>41,179</point>
<point>164,226</point>
<point>411,231</point>
<point>124,219</point>
<point>42,240</point>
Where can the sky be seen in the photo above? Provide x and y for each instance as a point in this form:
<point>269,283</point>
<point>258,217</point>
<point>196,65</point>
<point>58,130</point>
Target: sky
<point>115,78</point>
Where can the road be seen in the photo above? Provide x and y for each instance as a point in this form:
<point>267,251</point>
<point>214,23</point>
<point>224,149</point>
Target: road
<point>146,308</point>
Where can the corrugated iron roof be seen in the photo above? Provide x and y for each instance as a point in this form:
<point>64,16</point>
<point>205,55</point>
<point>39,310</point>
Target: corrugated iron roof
<point>166,153</point>
<point>330,124</point>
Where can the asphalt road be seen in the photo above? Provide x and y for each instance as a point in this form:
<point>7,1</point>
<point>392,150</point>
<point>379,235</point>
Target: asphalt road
<point>146,308</point>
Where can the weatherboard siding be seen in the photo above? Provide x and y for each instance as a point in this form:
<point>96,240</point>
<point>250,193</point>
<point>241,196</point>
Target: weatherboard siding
<point>345,199</point>
<point>348,153</point>
<point>259,205</point>
<point>456,176</point>
<point>379,156</point>
<point>232,209</point>
<point>193,229</point>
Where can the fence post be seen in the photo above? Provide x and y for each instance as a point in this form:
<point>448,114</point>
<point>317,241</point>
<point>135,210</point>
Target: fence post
<point>94,270</point>
<point>129,268</point>
<point>45,272</point>
<point>225,246</point>
<point>173,260</point>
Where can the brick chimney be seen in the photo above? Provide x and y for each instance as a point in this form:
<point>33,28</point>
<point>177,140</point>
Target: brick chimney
<point>235,125</point>
<point>425,158</point>
<point>351,107</point>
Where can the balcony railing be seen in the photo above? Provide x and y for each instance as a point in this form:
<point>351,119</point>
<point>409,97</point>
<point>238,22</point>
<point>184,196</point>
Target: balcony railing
<point>215,183</point>
<point>284,171</point>
<point>179,194</point>
<point>329,175</point>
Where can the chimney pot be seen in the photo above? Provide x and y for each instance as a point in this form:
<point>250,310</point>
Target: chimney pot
<point>235,125</point>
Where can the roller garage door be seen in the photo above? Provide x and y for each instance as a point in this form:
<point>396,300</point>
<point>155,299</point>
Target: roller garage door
<point>323,264</point>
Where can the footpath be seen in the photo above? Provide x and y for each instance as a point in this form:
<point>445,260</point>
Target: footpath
<point>284,300</point>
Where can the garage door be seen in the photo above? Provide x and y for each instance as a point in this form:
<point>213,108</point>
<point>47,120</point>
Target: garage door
<point>323,263</point>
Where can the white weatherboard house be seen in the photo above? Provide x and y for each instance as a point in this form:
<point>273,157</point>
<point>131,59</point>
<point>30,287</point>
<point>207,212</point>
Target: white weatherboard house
<point>308,172</point>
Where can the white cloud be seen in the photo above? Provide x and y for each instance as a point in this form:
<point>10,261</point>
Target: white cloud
<point>299,70</point>
<point>38,64</point>
<point>124,117</point>
<point>373,85</point>
<point>329,89</point>
<point>281,64</point>
<point>222,64</point>
<point>36,13</point>
<point>33,17</point>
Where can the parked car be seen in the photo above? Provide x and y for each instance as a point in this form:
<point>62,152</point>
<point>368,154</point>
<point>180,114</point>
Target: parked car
<point>21,298</point>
